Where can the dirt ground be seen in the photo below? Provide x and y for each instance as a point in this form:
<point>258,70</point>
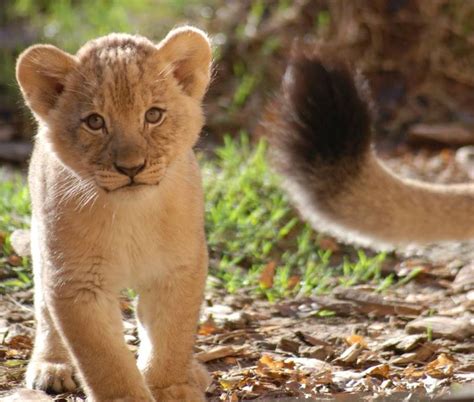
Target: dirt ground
<point>411,342</point>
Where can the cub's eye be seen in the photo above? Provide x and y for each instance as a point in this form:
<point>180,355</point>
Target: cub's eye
<point>95,122</point>
<point>154,115</point>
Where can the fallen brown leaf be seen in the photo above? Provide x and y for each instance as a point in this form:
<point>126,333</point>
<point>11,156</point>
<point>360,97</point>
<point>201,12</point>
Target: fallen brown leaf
<point>441,367</point>
<point>353,339</point>
<point>267,275</point>
<point>382,370</point>
<point>20,342</point>
<point>208,327</point>
<point>218,352</point>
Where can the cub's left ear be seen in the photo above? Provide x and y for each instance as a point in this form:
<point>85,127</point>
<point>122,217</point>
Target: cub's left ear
<point>41,71</point>
<point>188,51</point>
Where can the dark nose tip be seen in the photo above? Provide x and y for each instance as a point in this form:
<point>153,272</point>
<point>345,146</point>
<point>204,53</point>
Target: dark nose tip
<point>130,171</point>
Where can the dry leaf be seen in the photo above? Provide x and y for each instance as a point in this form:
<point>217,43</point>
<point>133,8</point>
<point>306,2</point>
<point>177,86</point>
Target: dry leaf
<point>218,352</point>
<point>441,367</point>
<point>293,281</point>
<point>14,260</point>
<point>353,339</point>
<point>351,354</point>
<point>413,372</point>
<point>267,361</point>
<point>382,370</point>
<point>208,327</point>
<point>229,383</point>
<point>328,243</point>
<point>20,342</point>
<point>230,360</point>
<point>267,275</point>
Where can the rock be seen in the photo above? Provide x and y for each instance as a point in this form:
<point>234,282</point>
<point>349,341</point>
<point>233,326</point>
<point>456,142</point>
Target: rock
<point>316,352</point>
<point>375,304</point>
<point>23,395</point>
<point>311,340</point>
<point>18,330</point>
<point>266,345</point>
<point>20,240</point>
<point>351,354</point>
<point>421,354</point>
<point>467,347</point>
<point>464,280</point>
<point>237,320</point>
<point>218,352</point>
<point>410,342</point>
<point>441,327</point>
<point>289,345</point>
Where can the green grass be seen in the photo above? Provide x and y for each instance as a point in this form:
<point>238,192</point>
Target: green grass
<point>250,224</point>
<point>255,238</point>
<point>14,214</point>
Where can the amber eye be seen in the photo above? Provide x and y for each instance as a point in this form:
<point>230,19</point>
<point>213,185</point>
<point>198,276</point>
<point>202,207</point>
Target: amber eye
<point>95,122</point>
<point>154,115</point>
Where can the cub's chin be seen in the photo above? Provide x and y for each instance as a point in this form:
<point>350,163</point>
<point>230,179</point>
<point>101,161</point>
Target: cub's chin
<point>136,187</point>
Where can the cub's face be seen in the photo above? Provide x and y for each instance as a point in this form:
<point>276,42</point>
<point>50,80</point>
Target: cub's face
<point>122,109</point>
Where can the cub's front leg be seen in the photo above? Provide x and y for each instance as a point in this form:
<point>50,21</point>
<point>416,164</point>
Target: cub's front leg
<point>87,314</point>
<point>50,368</point>
<point>168,312</point>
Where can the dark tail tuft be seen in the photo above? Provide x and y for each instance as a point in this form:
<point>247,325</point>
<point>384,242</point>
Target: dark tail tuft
<point>321,120</point>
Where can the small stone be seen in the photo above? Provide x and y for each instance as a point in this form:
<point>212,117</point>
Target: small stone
<point>441,327</point>
<point>464,280</point>
<point>421,354</point>
<point>410,342</point>
<point>289,345</point>
<point>316,352</point>
<point>266,345</point>
<point>20,240</point>
<point>467,347</point>
<point>351,354</point>
<point>237,320</point>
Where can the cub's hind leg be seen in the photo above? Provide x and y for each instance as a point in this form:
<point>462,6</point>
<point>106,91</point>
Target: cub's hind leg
<point>168,312</point>
<point>50,368</point>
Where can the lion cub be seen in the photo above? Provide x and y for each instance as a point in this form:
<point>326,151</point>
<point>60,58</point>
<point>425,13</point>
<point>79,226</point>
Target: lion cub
<point>117,203</point>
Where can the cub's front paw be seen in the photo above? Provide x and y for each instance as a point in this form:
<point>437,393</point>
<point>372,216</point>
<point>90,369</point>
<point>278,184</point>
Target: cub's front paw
<point>51,377</point>
<point>179,392</point>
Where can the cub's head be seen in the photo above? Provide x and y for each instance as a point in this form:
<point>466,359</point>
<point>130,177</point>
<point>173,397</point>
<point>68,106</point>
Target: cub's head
<point>123,108</point>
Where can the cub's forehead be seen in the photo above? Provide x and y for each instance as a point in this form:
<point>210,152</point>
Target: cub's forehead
<point>117,65</point>
<point>116,48</point>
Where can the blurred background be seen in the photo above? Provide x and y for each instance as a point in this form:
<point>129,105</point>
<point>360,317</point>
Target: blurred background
<point>417,55</point>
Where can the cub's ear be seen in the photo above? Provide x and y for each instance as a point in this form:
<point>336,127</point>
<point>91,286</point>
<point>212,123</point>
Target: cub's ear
<point>188,51</point>
<point>41,71</point>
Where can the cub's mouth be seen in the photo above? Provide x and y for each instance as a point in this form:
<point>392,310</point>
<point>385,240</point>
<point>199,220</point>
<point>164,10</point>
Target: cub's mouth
<point>111,181</point>
<point>133,186</point>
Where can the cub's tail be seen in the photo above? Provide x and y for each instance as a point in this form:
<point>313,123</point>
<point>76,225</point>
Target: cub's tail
<point>319,130</point>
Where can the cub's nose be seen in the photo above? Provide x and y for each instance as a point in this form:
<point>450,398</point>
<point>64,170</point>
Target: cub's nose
<point>130,171</point>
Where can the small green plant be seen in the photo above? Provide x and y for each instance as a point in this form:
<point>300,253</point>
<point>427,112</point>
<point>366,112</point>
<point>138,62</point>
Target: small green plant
<point>250,224</point>
<point>14,214</point>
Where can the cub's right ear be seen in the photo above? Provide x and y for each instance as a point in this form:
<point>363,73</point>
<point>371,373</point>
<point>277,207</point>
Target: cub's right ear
<point>41,71</point>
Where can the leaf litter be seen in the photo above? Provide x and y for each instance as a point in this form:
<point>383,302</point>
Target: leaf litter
<point>413,341</point>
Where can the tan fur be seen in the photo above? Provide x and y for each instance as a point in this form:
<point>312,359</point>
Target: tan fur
<point>380,209</point>
<point>320,132</point>
<point>94,235</point>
